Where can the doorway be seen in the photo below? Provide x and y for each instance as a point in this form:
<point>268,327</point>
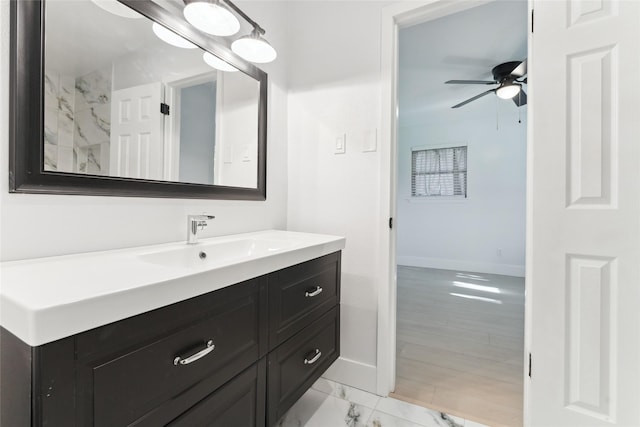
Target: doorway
<point>582,264</point>
<point>197,132</point>
<point>193,128</point>
<point>460,208</point>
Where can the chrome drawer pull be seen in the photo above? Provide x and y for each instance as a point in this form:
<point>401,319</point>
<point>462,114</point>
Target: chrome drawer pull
<point>313,293</point>
<point>196,356</point>
<point>315,358</point>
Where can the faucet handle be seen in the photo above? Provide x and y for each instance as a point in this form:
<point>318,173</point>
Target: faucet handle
<point>203,217</point>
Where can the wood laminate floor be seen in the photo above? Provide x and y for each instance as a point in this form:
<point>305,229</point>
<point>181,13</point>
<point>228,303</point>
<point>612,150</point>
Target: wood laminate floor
<point>460,343</point>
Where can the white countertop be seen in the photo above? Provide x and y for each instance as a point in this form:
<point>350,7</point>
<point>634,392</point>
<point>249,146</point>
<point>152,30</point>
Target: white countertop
<point>46,299</point>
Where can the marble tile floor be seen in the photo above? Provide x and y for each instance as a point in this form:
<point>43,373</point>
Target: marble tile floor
<point>460,343</point>
<point>330,404</point>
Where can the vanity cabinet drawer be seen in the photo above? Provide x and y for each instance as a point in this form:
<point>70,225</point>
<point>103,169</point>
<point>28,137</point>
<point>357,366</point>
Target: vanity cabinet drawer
<point>300,294</point>
<point>151,383</point>
<point>295,365</point>
<point>239,403</point>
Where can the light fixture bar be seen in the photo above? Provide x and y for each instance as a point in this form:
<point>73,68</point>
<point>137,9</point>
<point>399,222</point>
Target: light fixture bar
<point>239,11</point>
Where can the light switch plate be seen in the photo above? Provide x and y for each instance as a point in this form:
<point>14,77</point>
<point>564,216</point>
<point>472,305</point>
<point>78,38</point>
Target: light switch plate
<point>227,155</point>
<point>370,141</point>
<point>341,144</point>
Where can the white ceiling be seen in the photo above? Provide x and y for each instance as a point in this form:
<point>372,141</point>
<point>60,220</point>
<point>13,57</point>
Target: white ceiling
<point>81,37</point>
<point>463,46</point>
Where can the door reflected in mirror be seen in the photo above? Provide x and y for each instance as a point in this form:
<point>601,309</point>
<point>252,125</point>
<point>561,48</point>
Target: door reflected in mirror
<point>120,101</point>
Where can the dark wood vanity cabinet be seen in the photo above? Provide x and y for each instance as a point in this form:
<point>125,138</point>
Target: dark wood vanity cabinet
<point>304,334</point>
<point>300,294</point>
<point>296,364</point>
<point>238,356</point>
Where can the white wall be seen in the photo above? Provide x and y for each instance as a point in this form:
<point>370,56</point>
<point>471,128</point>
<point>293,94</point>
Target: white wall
<point>335,90</point>
<point>486,232</point>
<point>45,225</point>
<point>237,148</point>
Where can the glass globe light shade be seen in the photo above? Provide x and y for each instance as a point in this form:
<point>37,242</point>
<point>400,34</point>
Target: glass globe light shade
<point>217,63</point>
<point>254,48</point>
<point>508,90</point>
<point>117,8</point>
<point>211,17</point>
<point>171,38</point>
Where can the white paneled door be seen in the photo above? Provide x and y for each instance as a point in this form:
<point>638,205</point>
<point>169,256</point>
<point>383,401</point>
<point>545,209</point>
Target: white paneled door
<point>137,144</point>
<point>584,265</point>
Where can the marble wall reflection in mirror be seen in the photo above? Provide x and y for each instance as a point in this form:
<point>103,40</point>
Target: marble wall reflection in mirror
<point>107,74</point>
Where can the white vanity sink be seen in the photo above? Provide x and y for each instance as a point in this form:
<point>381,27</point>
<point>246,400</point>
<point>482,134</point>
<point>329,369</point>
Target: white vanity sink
<point>209,254</point>
<point>46,299</point>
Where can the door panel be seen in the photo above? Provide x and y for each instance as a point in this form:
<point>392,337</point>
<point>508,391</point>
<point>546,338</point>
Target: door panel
<point>137,144</point>
<point>584,273</point>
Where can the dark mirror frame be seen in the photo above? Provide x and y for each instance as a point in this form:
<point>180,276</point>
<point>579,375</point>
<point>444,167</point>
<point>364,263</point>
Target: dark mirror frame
<point>26,97</point>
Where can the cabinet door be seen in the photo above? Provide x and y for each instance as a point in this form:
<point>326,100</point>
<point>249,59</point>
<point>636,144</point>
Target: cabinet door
<point>154,378</point>
<point>239,403</point>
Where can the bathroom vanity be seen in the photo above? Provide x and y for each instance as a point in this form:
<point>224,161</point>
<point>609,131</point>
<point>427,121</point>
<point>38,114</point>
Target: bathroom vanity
<point>228,331</point>
<point>238,354</point>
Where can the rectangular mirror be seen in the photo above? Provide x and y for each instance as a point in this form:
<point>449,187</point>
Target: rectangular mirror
<point>131,100</point>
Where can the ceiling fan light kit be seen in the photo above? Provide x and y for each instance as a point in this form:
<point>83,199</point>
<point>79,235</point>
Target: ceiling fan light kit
<point>508,90</point>
<point>506,76</point>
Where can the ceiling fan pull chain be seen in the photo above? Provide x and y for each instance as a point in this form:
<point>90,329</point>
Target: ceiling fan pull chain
<point>519,116</point>
<point>497,116</point>
<point>519,110</point>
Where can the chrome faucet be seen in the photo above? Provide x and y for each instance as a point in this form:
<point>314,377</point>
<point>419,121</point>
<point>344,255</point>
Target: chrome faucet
<point>194,224</point>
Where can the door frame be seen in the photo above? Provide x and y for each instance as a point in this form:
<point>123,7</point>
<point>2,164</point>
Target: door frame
<point>393,18</point>
<point>172,125</point>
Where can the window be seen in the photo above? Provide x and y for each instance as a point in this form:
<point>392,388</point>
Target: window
<point>439,172</point>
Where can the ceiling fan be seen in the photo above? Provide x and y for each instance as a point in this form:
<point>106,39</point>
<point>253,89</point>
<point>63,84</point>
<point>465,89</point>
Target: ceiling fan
<point>506,76</point>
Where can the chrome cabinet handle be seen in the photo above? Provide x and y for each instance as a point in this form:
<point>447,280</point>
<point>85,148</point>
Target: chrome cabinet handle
<point>315,358</point>
<point>313,293</point>
<point>199,355</point>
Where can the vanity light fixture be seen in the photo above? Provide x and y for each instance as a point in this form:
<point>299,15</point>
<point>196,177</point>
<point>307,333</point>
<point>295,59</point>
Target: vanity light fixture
<point>508,90</point>
<point>211,16</point>
<point>217,63</point>
<point>170,37</point>
<point>214,17</point>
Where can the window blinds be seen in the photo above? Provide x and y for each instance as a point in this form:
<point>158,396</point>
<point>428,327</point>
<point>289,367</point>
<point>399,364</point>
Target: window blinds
<point>439,172</point>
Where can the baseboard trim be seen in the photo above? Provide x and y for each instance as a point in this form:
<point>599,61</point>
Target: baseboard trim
<point>353,373</point>
<point>454,264</point>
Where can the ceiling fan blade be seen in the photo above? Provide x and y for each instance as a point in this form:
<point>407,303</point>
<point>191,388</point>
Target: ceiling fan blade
<point>520,99</point>
<point>469,82</point>
<point>520,70</point>
<point>474,98</point>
